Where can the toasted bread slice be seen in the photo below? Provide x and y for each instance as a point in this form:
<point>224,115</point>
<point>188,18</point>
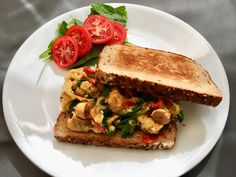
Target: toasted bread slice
<point>62,133</point>
<point>157,73</point>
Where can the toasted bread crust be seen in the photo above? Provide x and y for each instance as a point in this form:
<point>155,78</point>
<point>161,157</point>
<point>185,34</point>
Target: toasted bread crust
<point>157,89</point>
<point>62,133</point>
<point>157,73</point>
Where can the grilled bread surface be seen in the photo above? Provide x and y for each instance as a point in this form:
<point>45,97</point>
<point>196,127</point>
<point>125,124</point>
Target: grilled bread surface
<point>157,73</point>
<point>62,133</point>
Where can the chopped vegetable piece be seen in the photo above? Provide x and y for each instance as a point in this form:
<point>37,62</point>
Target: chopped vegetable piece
<point>156,105</point>
<point>88,70</point>
<point>128,103</point>
<point>150,138</point>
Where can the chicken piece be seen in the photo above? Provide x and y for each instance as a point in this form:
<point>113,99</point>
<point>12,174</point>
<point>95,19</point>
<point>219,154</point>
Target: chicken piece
<point>82,110</point>
<point>79,125</point>
<point>97,114</point>
<point>115,100</point>
<point>112,119</point>
<point>148,124</point>
<point>82,125</point>
<point>161,116</point>
<point>88,88</point>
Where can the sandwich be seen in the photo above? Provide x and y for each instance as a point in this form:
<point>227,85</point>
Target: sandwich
<point>131,99</point>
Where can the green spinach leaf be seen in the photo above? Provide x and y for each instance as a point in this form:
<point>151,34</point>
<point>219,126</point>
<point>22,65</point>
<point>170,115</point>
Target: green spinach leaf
<point>95,51</point>
<point>118,14</point>
<point>126,129</point>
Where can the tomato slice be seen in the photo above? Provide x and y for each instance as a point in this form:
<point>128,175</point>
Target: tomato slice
<point>100,28</point>
<point>82,38</point>
<point>119,34</point>
<point>64,51</point>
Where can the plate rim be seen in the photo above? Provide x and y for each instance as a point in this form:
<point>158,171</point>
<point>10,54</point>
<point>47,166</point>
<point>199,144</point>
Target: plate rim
<point>28,152</point>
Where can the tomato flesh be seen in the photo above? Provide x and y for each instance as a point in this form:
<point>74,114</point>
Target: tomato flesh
<point>88,70</point>
<point>101,129</point>
<point>100,28</point>
<point>64,51</point>
<point>156,105</point>
<point>119,34</point>
<point>128,103</point>
<point>81,37</point>
<point>150,138</point>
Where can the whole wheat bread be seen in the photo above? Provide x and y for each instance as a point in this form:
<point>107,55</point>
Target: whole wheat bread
<point>62,133</point>
<point>157,73</point>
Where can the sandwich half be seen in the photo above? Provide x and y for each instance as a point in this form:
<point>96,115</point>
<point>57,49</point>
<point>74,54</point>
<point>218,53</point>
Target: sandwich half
<point>157,73</point>
<point>131,99</point>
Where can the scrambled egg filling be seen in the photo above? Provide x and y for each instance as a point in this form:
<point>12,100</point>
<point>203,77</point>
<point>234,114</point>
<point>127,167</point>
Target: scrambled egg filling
<point>104,109</point>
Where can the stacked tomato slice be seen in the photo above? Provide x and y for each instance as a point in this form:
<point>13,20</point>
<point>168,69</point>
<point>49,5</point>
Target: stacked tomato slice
<point>78,40</point>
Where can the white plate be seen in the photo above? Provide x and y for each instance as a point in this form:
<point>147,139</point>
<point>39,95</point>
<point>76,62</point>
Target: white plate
<point>31,104</point>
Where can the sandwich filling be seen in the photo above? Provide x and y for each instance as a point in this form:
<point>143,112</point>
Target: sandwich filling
<point>109,110</point>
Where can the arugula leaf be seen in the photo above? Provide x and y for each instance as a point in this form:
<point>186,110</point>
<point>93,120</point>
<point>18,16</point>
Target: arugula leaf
<point>180,116</point>
<point>118,14</point>
<point>95,51</point>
